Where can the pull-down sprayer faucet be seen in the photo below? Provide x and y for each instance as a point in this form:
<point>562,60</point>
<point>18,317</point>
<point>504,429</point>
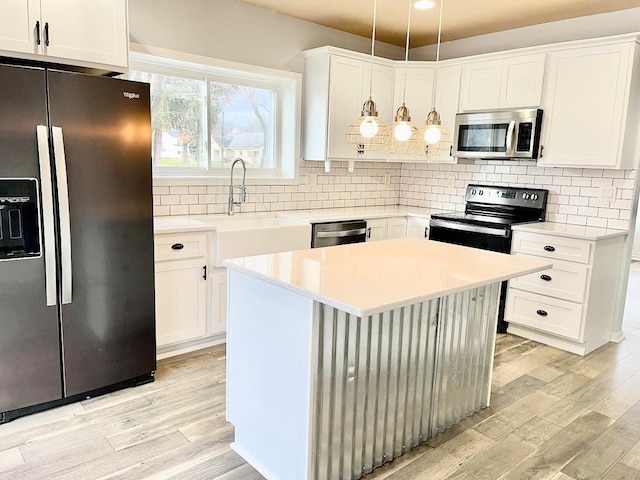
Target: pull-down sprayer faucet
<point>243,188</point>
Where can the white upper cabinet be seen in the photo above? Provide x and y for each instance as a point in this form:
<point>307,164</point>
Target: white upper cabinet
<point>18,25</point>
<point>447,104</point>
<point>91,34</point>
<point>506,83</point>
<point>481,85</point>
<point>419,95</point>
<point>336,87</point>
<point>591,107</point>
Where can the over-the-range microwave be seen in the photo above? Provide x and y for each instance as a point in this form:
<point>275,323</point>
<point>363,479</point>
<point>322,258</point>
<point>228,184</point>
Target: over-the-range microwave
<point>506,134</point>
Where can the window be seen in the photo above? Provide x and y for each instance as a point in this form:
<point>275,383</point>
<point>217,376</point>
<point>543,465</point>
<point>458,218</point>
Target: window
<point>203,117</point>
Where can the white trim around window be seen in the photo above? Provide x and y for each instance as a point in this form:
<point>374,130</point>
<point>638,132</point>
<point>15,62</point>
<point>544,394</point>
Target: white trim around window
<point>285,120</point>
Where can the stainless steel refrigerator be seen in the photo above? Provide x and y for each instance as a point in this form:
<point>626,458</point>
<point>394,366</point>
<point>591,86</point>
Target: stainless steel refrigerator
<point>77,311</point>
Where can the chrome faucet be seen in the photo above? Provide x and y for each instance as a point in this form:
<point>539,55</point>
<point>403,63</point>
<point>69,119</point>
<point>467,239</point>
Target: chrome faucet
<point>243,188</point>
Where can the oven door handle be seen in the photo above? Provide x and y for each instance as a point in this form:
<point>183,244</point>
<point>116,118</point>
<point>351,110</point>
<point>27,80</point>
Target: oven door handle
<point>497,232</point>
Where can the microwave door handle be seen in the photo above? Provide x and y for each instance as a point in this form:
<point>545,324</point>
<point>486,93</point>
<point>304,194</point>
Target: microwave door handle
<point>510,130</point>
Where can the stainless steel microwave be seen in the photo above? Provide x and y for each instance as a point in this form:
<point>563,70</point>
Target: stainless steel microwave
<point>513,133</point>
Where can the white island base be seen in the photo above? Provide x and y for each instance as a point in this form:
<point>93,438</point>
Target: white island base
<point>322,393</point>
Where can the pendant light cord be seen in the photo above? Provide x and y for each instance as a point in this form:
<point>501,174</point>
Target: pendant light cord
<point>406,54</point>
<point>435,84</point>
<point>373,43</point>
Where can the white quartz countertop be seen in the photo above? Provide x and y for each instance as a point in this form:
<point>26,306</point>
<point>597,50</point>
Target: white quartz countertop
<point>368,278</point>
<point>199,223</point>
<point>355,213</point>
<point>572,231</point>
<point>179,224</point>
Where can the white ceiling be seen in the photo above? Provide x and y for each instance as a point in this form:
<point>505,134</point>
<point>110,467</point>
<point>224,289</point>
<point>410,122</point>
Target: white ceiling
<point>460,18</point>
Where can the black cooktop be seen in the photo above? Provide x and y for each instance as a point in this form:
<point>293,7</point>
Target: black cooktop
<point>499,207</point>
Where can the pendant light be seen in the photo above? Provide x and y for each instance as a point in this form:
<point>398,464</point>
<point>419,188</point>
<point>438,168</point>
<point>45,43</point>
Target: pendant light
<point>436,141</point>
<point>404,137</point>
<point>369,133</point>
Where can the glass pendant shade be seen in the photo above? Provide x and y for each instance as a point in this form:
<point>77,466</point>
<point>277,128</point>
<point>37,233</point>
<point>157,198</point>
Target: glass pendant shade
<point>368,133</point>
<point>404,137</point>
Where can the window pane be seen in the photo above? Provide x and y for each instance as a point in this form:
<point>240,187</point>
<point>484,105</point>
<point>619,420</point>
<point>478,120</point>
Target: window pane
<point>177,114</point>
<point>241,125</point>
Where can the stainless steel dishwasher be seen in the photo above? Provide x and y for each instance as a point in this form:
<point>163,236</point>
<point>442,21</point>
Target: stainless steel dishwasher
<point>338,233</point>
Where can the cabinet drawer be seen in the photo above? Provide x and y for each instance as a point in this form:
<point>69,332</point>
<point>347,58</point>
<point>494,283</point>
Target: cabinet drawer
<point>566,281</point>
<point>175,247</point>
<point>558,317</point>
<point>548,246</point>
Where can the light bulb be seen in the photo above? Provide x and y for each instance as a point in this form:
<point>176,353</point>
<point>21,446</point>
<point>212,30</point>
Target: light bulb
<point>432,134</point>
<point>402,132</point>
<point>369,127</point>
<point>424,4</point>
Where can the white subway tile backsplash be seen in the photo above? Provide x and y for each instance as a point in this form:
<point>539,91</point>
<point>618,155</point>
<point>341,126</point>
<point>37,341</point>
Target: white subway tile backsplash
<point>574,193</point>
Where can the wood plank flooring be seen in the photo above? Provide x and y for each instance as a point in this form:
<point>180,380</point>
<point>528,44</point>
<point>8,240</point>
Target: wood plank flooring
<point>553,415</point>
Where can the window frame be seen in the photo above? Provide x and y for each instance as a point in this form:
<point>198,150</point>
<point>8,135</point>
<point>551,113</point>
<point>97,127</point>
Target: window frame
<point>286,87</point>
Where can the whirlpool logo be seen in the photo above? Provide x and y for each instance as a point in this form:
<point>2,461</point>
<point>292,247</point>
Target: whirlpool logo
<point>131,95</point>
<point>15,199</point>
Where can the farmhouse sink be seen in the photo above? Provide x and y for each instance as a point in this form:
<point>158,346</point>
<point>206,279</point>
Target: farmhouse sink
<point>243,237</point>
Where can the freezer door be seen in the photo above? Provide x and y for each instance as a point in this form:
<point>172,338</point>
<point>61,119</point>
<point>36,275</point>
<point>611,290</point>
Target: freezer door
<point>29,335</point>
<point>101,134</point>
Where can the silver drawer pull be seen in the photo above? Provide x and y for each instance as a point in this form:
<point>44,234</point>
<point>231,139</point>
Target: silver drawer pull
<point>542,313</point>
<point>550,248</point>
<point>177,246</point>
<point>546,278</point>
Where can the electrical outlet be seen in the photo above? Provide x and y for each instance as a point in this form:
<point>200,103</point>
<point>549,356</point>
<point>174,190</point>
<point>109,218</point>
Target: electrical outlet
<point>387,178</point>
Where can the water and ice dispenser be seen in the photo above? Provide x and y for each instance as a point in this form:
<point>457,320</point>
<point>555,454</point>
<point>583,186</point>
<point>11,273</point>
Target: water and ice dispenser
<point>19,219</point>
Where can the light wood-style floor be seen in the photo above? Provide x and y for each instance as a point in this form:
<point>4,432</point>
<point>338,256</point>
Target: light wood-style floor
<point>553,415</point>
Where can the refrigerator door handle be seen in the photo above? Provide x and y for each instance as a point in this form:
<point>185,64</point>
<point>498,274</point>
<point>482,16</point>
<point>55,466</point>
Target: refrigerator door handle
<point>46,188</point>
<point>63,206</point>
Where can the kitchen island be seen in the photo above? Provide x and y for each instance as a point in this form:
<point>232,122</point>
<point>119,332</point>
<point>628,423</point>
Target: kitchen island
<point>340,359</point>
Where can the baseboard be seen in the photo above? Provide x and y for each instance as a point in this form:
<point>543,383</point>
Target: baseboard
<point>191,346</point>
<point>551,340</point>
<point>616,337</point>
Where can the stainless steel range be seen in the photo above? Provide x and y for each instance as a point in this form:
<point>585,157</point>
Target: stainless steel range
<point>489,213</point>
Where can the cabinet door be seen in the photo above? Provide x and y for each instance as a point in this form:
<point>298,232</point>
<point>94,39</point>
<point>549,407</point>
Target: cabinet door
<point>447,101</point>
<point>480,87</point>
<point>94,31</point>
<point>521,84</point>
<point>219,300</point>
<point>584,103</point>
<point>418,93</point>
<point>181,301</point>
<point>396,228</point>
<point>381,84</point>
<point>345,104</point>
<point>376,230</point>
<point>418,228</point>
<point>18,25</point>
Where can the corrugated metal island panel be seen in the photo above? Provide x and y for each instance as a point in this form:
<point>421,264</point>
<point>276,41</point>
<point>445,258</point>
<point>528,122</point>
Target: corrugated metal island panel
<point>387,382</point>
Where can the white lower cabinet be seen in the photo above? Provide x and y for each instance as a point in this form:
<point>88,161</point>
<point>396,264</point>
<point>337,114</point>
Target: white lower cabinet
<point>418,227</point>
<point>386,228</point>
<point>571,305</point>
<point>181,288</point>
<point>219,300</point>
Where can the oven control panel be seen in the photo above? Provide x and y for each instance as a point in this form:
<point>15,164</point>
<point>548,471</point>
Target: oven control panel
<point>508,196</point>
